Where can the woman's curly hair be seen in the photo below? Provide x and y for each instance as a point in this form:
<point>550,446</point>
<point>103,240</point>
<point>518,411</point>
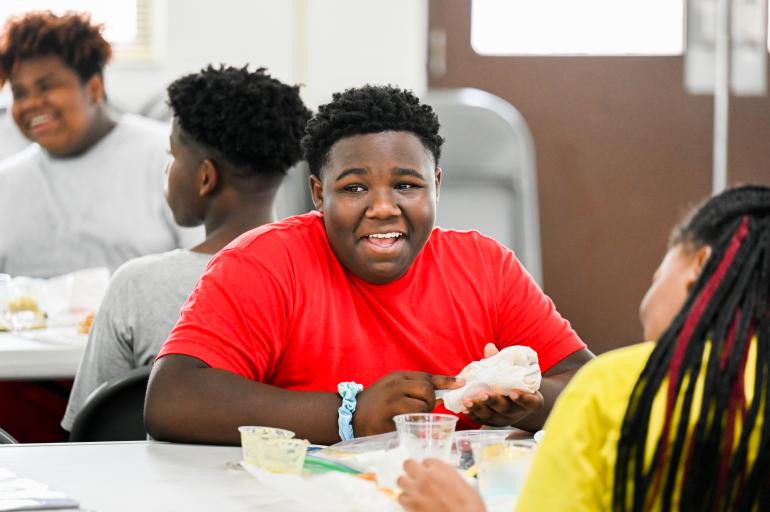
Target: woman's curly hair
<point>369,109</point>
<point>71,37</point>
<point>249,119</point>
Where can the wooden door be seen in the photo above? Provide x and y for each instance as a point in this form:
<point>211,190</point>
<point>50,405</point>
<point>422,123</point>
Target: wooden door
<point>622,151</point>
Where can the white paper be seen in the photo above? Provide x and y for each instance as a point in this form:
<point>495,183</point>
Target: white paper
<point>330,492</point>
<point>512,368</point>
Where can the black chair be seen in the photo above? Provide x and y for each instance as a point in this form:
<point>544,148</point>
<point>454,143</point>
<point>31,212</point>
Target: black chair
<point>6,438</point>
<point>114,411</point>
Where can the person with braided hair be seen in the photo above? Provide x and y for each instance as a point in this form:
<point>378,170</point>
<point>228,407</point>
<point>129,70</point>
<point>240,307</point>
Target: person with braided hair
<point>680,423</point>
<point>88,191</point>
<point>293,319</point>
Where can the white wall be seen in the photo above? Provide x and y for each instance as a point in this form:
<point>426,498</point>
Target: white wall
<point>327,45</point>
<point>353,42</point>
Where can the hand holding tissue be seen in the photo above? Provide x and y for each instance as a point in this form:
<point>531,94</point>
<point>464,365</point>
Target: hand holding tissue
<point>512,368</point>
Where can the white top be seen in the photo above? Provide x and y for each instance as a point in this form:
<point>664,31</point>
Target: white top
<point>11,139</point>
<point>100,208</point>
<point>138,311</point>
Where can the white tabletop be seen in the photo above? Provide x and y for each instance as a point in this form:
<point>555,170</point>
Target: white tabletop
<point>143,475</point>
<point>45,354</point>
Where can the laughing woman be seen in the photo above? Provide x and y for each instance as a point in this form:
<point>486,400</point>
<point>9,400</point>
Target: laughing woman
<point>89,192</point>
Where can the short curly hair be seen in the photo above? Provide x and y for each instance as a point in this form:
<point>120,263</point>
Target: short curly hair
<point>71,37</point>
<point>369,109</point>
<point>249,119</point>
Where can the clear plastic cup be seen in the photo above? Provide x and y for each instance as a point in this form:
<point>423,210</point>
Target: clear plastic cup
<point>502,466</point>
<point>24,305</point>
<point>252,439</point>
<point>283,455</point>
<point>464,440</point>
<point>426,435</point>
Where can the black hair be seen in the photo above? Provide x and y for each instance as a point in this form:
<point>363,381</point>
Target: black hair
<point>727,309</point>
<point>248,119</point>
<point>71,37</point>
<point>369,109</point>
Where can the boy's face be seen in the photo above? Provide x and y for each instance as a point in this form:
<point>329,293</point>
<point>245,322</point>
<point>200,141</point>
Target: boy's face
<point>670,287</point>
<point>51,106</point>
<point>181,191</point>
<point>378,195</point>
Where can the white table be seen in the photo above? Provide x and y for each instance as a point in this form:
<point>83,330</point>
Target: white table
<point>142,475</point>
<point>46,354</point>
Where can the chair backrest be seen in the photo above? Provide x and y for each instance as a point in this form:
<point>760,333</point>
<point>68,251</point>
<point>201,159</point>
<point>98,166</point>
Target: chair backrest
<point>6,438</point>
<point>489,181</point>
<point>114,411</point>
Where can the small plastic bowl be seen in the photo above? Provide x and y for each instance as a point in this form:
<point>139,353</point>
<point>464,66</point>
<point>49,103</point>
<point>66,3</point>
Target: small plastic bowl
<point>253,437</point>
<point>283,455</point>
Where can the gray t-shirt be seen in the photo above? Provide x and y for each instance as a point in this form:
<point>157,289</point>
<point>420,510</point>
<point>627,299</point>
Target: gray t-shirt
<point>138,311</point>
<point>98,209</point>
<point>11,139</point>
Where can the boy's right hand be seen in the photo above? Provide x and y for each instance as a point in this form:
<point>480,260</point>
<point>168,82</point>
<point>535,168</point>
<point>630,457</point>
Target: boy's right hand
<point>397,393</point>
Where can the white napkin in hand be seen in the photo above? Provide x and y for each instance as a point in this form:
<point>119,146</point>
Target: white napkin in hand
<point>512,368</point>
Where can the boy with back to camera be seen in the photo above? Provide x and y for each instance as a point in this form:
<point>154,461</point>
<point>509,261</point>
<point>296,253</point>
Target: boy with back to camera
<point>234,136</point>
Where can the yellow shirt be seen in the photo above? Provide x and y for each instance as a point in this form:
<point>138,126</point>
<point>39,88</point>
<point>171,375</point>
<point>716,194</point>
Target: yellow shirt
<point>573,469</point>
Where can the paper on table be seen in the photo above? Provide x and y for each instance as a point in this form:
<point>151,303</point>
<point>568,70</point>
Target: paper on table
<point>330,492</point>
<point>25,494</point>
<point>70,296</point>
<point>38,504</point>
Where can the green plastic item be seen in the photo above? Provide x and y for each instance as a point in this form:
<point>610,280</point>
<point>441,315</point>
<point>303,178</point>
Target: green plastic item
<point>315,464</point>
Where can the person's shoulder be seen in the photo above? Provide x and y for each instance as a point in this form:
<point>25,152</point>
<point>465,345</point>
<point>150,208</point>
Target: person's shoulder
<point>464,237</point>
<point>21,161</point>
<point>622,364</point>
<point>467,244</point>
<point>137,134</point>
<point>143,125</point>
<point>158,266</point>
<point>289,232</point>
<point>280,248</point>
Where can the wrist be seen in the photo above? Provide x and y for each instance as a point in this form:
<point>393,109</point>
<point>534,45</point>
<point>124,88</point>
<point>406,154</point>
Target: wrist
<point>349,392</point>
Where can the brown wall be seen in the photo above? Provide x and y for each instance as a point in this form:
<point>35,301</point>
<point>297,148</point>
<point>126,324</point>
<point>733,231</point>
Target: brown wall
<point>622,151</point>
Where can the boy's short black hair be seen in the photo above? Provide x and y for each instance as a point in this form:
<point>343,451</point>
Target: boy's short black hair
<point>369,109</point>
<point>248,119</point>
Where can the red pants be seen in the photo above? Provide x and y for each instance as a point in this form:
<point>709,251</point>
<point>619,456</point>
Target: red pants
<point>31,410</point>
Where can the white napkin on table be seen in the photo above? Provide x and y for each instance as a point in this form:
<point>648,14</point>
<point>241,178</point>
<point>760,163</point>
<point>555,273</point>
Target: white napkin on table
<point>512,368</point>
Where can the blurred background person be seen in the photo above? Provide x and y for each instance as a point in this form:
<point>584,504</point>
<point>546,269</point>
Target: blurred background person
<point>88,193</point>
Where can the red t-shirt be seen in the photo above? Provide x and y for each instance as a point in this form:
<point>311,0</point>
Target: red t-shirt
<point>278,307</point>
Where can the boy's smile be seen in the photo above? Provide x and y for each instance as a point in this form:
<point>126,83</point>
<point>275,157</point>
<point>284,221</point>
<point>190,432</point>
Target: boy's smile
<point>378,195</point>
<point>51,106</point>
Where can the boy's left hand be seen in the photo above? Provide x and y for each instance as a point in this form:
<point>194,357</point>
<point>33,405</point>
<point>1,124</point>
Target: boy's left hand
<point>499,410</point>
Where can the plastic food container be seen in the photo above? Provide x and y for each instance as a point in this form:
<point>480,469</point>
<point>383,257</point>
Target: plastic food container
<point>252,439</point>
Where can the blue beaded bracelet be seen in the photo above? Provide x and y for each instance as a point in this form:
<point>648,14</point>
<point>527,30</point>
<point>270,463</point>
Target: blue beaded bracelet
<point>348,392</point>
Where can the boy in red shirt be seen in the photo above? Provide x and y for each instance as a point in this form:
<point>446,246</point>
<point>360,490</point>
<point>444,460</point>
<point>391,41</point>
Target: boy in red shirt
<point>293,315</point>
